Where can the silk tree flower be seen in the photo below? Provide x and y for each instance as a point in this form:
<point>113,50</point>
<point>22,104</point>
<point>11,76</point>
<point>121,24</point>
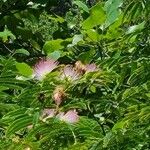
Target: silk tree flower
<point>91,67</point>
<point>47,113</point>
<point>69,117</point>
<point>82,68</point>
<point>43,67</point>
<point>69,73</point>
<point>59,95</point>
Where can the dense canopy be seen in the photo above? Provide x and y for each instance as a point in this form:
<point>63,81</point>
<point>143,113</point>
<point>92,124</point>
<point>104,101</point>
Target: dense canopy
<point>74,74</point>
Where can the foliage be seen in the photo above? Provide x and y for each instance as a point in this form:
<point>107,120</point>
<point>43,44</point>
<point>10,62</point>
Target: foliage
<point>103,46</point>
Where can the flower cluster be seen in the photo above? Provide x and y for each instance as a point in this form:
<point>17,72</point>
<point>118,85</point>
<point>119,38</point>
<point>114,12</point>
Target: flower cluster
<point>44,67</point>
<point>70,116</point>
<point>69,72</point>
<point>82,68</point>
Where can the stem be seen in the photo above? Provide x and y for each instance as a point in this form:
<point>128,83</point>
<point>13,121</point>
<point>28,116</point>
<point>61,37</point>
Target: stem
<point>74,136</point>
<point>101,125</point>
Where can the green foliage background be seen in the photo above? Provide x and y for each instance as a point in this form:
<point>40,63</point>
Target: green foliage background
<point>113,104</point>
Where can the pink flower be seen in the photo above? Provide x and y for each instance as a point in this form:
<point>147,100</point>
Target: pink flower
<point>70,117</point>
<point>43,67</point>
<point>47,113</point>
<point>70,73</point>
<point>91,68</point>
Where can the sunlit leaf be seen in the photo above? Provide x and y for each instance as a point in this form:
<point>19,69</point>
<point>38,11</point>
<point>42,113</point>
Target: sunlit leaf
<point>24,69</point>
<point>97,17</point>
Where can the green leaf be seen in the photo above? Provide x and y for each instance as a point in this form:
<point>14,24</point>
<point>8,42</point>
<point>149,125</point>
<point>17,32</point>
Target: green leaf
<point>112,11</point>
<point>82,5</point>
<point>76,40</point>
<point>5,34</point>
<point>19,124</point>
<point>119,125</point>
<point>8,107</point>
<point>114,30</point>
<point>51,46</point>
<point>15,113</point>
<point>2,88</point>
<point>73,105</point>
<point>97,17</point>
<point>130,92</point>
<point>57,19</point>
<point>92,35</point>
<point>107,139</point>
<point>135,28</point>
<point>85,57</point>
<point>36,118</point>
<point>12,82</point>
<point>93,89</point>
<point>24,69</point>
<point>55,55</point>
<point>22,51</point>
<point>11,85</point>
<point>148,95</point>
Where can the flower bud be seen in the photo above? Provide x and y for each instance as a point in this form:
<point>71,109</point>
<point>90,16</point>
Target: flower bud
<point>80,67</point>
<point>58,95</point>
